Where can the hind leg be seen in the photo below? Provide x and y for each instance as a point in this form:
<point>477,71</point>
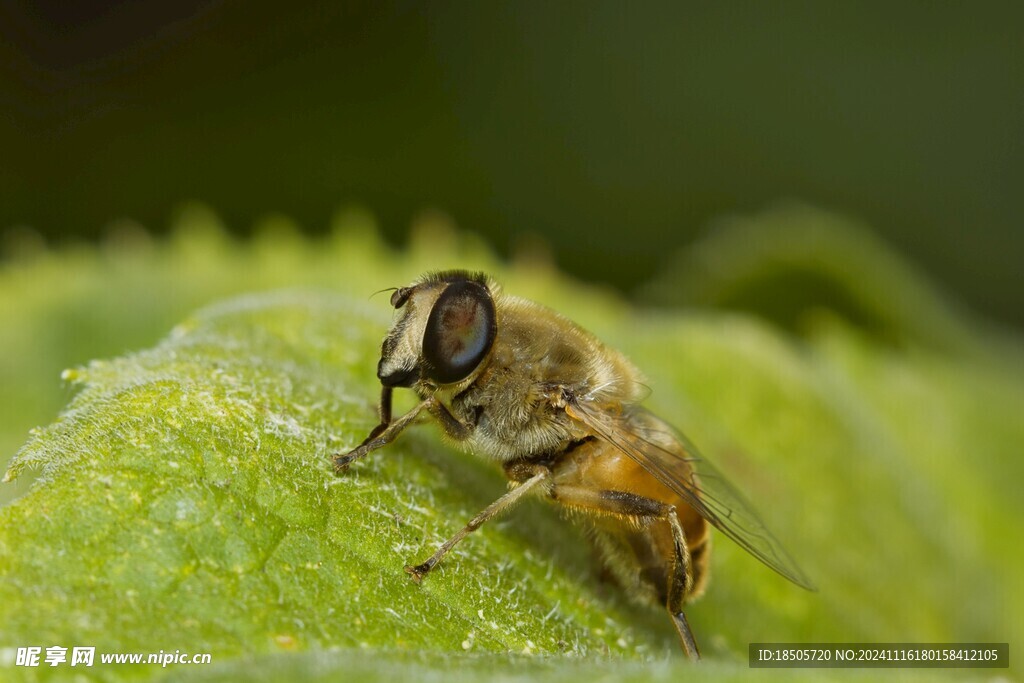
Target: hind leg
<point>643,510</point>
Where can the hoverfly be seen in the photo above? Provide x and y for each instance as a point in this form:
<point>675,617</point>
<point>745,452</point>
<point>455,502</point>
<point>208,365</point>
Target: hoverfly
<point>559,410</point>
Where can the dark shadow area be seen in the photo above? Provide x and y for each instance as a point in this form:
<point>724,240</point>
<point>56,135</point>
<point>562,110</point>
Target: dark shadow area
<point>614,132</point>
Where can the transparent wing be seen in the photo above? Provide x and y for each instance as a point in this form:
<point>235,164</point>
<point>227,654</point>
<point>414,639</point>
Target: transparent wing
<point>677,464</point>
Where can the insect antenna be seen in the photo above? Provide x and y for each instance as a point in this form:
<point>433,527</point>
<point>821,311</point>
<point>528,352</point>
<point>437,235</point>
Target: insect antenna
<point>381,291</point>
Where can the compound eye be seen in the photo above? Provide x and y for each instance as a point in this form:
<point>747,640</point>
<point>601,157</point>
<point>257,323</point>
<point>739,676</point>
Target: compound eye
<point>459,333</point>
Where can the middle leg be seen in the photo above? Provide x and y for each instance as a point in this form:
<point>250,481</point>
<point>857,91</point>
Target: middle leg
<point>540,476</point>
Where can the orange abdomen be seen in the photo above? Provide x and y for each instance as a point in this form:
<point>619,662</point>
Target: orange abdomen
<point>638,551</point>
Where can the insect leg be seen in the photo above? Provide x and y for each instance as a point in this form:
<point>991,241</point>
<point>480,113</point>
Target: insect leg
<point>631,505</point>
<point>680,583</point>
<point>540,476</point>
<point>449,423</point>
<point>382,434</point>
<point>384,410</point>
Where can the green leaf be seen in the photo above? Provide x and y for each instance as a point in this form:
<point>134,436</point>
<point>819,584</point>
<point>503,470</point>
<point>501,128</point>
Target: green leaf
<point>185,498</point>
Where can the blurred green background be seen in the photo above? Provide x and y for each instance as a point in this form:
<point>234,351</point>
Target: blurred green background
<point>616,131</point>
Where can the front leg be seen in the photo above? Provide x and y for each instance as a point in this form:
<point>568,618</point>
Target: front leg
<point>387,431</point>
<point>382,434</point>
<point>449,423</point>
<point>385,413</point>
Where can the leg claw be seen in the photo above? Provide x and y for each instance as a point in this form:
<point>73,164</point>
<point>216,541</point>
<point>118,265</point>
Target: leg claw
<point>416,573</point>
<point>342,462</point>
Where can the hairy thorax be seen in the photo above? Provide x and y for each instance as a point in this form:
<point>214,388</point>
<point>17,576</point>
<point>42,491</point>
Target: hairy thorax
<point>514,402</point>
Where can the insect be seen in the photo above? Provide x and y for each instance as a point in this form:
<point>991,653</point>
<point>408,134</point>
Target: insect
<point>559,410</point>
